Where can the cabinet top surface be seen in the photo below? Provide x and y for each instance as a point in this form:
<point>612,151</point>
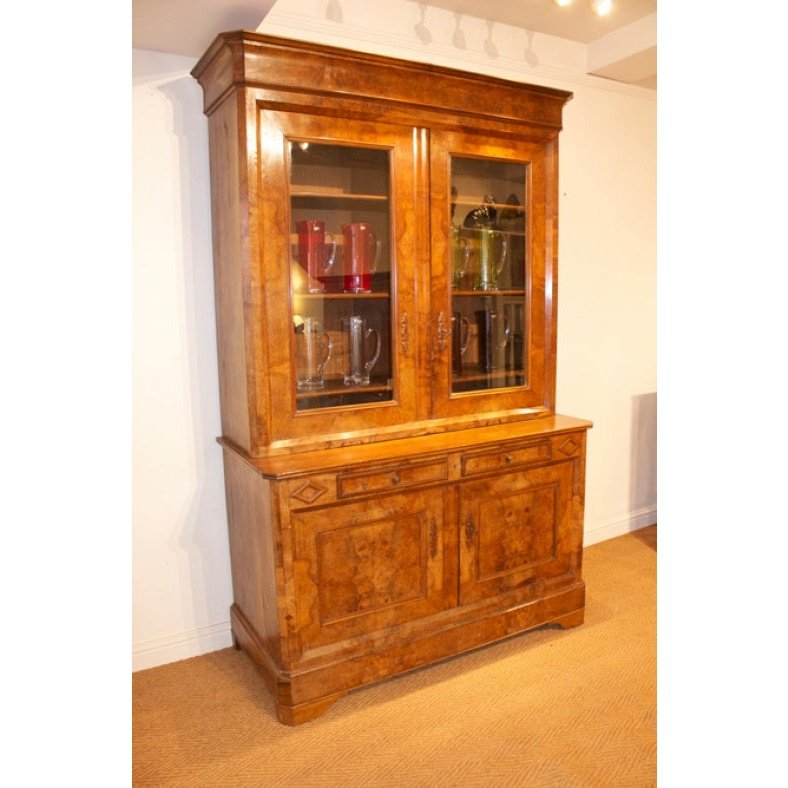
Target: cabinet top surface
<point>252,56</point>
<point>285,465</point>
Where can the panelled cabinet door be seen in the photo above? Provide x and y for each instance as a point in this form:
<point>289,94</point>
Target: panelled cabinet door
<point>491,274</point>
<point>372,566</point>
<point>516,533</point>
<point>338,241</point>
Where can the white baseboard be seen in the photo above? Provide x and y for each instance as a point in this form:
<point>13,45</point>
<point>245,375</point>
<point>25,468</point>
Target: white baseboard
<point>174,648</point>
<point>162,651</point>
<point>618,526</point>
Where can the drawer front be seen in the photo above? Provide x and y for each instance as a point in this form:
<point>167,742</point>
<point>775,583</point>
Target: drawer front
<point>484,462</point>
<point>392,478</point>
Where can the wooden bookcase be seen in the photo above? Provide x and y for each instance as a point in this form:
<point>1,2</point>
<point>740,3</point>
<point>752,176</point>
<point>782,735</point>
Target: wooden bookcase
<point>399,486</point>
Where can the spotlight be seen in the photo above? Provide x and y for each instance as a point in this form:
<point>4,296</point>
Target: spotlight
<point>334,11</point>
<point>422,31</point>
<point>459,37</point>
<point>601,7</point>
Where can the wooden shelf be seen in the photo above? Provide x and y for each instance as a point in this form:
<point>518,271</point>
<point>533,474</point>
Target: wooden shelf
<point>338,237</point>
<point>516,233</point>
<point>501,292</point>
<point>335,193</point>
<point>497,374</point>
<point>487,381</point>
<point>475,202</point>
<point>341,296</point>
<point>335,388</point>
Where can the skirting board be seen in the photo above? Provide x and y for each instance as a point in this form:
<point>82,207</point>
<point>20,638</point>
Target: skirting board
<point>162,651</point>
<point>618,526</point>
<point>185,645</point>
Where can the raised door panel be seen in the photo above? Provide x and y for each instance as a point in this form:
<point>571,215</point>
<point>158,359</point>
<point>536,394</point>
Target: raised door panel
<point>338,251</point>
<point>492,275</point>
<point>369,567</point>
<point>517,532</point>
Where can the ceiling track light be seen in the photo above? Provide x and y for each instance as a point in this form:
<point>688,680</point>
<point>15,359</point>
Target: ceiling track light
<point>599,7</point>
<point>334,11</point>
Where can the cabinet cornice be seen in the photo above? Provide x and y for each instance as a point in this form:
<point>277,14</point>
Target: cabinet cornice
<point>255,60</point>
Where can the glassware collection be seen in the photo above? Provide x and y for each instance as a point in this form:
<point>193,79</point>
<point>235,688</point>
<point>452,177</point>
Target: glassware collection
<point>341,275</point>
<point>488,273</point>
<point>353,307</point>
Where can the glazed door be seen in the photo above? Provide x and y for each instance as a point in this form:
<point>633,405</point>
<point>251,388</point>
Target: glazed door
<point>372,566</point>
<point>492,287</point>
<point>337,272</point>
<point>516,533</point>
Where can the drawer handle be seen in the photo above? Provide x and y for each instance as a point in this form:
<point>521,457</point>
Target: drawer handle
<point>508,457</point>
<point>395,479</point>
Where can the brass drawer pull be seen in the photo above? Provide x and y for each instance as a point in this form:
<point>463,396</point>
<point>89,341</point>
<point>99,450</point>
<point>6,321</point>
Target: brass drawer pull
<point>395,479</point>
<point>508,457</point>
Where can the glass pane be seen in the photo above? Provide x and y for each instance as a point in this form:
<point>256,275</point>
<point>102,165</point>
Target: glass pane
<point>489,269</point>
<point>340,274</point>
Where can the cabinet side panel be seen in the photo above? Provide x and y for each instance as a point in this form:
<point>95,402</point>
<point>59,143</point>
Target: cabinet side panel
<point>551,271</point>
<point>253,550</point>
<point>230,277</point>
<point>578,503</point>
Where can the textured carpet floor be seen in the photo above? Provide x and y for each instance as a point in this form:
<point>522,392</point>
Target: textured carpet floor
<point>547,708</point>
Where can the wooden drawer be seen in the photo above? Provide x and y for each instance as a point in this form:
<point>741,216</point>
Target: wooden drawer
<point>506,457</point>
<point>394,477</point>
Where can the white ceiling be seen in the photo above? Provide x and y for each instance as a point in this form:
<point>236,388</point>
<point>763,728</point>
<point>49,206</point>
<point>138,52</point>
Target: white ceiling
<point>577,22</point>
<point>187,27</point>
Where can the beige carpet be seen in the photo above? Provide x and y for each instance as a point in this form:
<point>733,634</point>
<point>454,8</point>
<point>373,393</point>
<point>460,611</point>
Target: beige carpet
<point>548,708</point>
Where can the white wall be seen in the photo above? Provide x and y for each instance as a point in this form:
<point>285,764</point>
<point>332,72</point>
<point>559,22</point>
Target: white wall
<point>606,315</point>
<point>607,301</point>
<point>180,557</point>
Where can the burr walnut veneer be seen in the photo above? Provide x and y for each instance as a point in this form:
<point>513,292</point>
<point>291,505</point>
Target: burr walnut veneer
<point>399,486</point>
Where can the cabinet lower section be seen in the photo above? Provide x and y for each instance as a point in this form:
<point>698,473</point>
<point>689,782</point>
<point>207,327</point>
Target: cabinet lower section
<point>303,695</point>
<point>353,565</point>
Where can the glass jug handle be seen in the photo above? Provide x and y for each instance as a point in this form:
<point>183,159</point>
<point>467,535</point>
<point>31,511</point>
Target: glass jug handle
<point>375,249</point>
<point>465,331</point>
<point>328,348</point>
<point>504,246</point>
<point>372,361</point>
<point>506,333</point>
<point>332,255</point>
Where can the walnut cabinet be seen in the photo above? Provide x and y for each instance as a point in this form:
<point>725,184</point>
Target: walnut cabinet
<point>399,486</point>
